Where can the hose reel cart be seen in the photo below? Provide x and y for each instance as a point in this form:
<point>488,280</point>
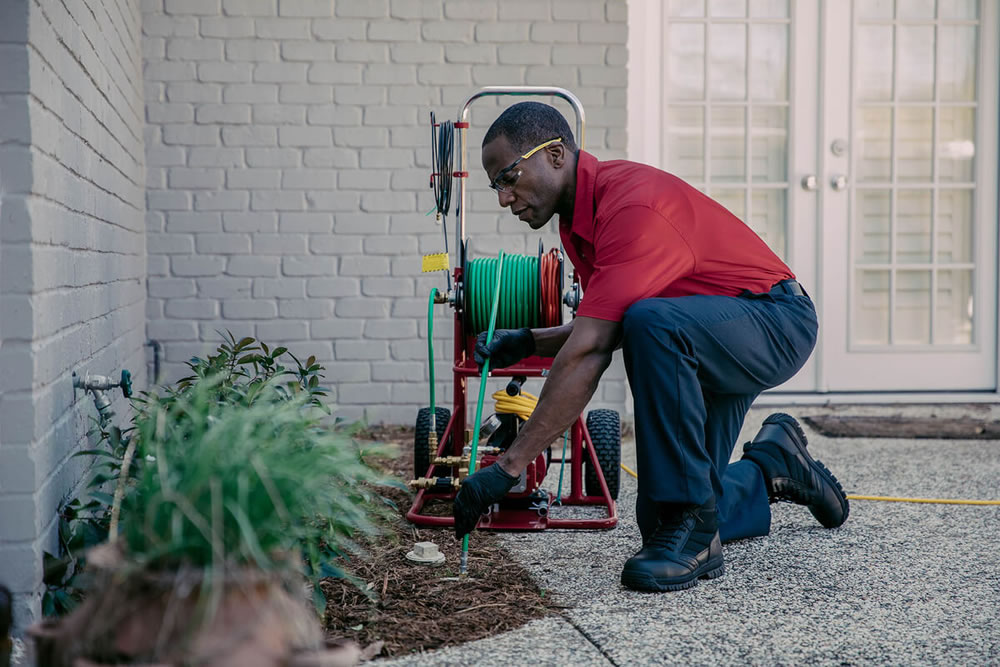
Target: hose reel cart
<point>518,291</point>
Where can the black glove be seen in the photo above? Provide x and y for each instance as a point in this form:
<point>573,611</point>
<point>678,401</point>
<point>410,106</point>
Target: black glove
<point>509,346</point>
<point>478,491</point>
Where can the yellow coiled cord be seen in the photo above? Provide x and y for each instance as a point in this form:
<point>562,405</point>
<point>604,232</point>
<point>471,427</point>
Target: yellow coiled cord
<point>522,405</point>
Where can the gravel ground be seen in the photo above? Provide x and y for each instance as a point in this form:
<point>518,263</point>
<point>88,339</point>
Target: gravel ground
<point>897,584</point>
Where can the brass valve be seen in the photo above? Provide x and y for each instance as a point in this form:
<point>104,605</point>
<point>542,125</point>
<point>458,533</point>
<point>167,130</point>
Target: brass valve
<point>431,482</point>
<point>451,461</point>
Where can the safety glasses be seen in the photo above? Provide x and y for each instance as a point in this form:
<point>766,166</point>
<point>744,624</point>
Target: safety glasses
<point>507,177</point>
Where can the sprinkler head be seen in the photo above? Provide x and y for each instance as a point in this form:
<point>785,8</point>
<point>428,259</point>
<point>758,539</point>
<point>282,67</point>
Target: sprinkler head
<point>425,553</point>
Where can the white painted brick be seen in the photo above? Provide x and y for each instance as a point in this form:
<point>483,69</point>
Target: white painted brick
<point>362,394</point>
<point>555,32</point>
<point>203,7</point>
<point>337,73</point>
<point>577,54</point>
<point>170,71</point>
<point>276,200</point>
<point>168,200</point>
<point>332,287</point>
<point>160,25</point>
<point>417,53</point>
<point>265,267</point>
<point>525,10</point>
<point>391,245</point>
<point>394,74</point>
<point>297,94</point>
<point>342,371</point>
<point>307,309</point>
<point>272,157</point>
<point>195,179</point>
<point>238,114</point>
<point>194,48</point>
<point>335,244</point>
<point>278,244</point>
<point>362,307</point>
<point>304,179</point>
<point>221,201</point>
<point>330,157</point>
<point>335,30</point>
<point>249,309</point>
<point>184,221</point>
<point>307,51</point>
<point>227,27</point>
<point>417,95</point>
<point>196,266</point>
<point>360,137</point>
<point>470,9</point>
<point>475,53</point>
<point>361,223</point>
<point>280,72</point>
<point>250,136</point>
<point>253,178</point>
<point>223,244</point>
<point>362,52</point>
<point>282,28</point>
<point>368,179</point>
<point>388,202</point>
<point>287,288</point>
<point>163,156</point>
<point>169,244</point>
<point>394,31</point>
<point>222,287</point>
<point>379,286</point>
<point>395,371</point>
<point>305,222</point>
<point>372,9</point>
<point>318,8</point>
<point>250,7</point>
<point>250,93</point>
<point>193,92</point>
<point>250,222</point>
<point>192,309</point>
<point>306,265</point>
<point>442,74</point>
<point>327,200</point>
<point>603,32</point>
<point>405,350</point>
<point>571,10</point>
<point>334,115</point>
<point>602,76</point>
<point>375,350</point>
<point>415,9</point>
<point>170,113</point>
<point>504,31</point>
<point>282,332</point>
<point>171,288</point>
<point>390,329</point>
<point>304,136</point>
<point>164,330</point>
<point>251,50</point>
<point>190,135</point>
<point>225,72</point>
<point>386,158</point>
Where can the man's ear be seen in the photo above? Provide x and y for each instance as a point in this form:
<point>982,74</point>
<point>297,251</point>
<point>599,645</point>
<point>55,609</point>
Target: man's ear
<point>558,153</point>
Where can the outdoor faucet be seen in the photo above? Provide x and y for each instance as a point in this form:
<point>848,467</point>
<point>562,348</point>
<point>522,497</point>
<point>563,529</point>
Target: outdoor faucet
<point>98,385</point>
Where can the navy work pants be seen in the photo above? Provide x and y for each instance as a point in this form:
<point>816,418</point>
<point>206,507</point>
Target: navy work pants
<point>695,364</point>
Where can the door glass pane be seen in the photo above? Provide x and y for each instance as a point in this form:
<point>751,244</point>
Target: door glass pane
<point>870,321</point>
<point>727,8</point>
<point>733,199</point>
<point>957,63</point>
<point>727,76</point>
<point>953,308</point>
<point>912,317</point>
<point>954,226</point>
<point>769,9</point>
<point>913,226</point>
<point>958,9</point>
<point>767,217</point>
<point>956,144</point>
<point>874,62</point>
<point>915,9</point>
<point>769,144</point>
<point>874,142</point>
<point>874,9</point>
<point>727,138</point>
<point>687,8</point>
<point>686,45</point>
<point>872,240</point>
<point>769,62</point>
<point>915,68</point>
<point>685,145</point>
<point>914,129</point>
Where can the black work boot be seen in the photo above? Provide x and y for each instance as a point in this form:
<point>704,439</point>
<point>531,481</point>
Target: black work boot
<point>791,475</point>
<point>684,548</point>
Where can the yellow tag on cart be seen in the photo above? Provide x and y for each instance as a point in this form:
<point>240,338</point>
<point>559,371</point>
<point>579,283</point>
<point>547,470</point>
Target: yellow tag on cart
<point>436,262</point>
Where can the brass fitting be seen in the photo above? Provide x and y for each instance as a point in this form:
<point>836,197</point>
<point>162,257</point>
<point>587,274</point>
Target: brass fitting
<point>431,482</point>
<point>441,298</point>
<point>451,461</point>
<point>432,443</point>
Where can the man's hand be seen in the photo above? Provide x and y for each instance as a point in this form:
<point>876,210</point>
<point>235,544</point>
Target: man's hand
<point>480,490</point>
<point>507,348</point>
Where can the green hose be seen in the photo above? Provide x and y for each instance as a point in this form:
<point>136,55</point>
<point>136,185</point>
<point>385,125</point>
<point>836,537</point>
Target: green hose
<point>518,294</point>
<point>430,352</point>
<point>464,564</point>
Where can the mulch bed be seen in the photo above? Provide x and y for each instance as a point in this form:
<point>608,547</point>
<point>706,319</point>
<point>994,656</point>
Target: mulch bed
<point>415,608</point>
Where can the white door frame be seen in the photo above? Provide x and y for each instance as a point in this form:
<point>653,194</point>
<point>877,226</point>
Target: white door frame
<point>646,99</point>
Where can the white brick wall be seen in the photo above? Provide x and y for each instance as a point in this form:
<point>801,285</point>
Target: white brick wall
<point>72,252</point>
<point>288,161</point>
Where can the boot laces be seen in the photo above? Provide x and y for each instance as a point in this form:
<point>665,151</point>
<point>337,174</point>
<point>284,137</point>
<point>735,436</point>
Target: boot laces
<point>671,531</point>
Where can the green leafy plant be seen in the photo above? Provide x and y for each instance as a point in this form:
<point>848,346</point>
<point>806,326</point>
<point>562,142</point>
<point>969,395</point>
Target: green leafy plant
<point>238,463</point>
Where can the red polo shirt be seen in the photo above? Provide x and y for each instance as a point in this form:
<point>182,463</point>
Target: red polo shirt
<point>638,232</point>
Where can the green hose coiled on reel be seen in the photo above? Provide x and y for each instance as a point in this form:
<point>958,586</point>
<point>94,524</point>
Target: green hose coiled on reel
<point>519,292</point>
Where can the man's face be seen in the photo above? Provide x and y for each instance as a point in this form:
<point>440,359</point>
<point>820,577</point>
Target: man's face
<point>535,193</point>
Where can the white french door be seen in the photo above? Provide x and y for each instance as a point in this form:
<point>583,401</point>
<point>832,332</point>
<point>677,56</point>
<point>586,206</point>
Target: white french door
<point>859,140</point>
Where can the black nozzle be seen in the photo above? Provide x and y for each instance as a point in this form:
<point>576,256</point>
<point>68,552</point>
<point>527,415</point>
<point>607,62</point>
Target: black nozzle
<point>514,386</point>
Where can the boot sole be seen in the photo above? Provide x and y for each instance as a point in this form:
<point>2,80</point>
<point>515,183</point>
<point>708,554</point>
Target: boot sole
<point>785,420</point>
<point>649,584</point>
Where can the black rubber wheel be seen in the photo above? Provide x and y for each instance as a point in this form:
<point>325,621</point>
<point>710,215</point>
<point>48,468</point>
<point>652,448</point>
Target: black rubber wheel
<point>605,431</point>
<point>421,436</point>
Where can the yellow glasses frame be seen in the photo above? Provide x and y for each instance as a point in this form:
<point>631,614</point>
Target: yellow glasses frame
<point>512,180</point>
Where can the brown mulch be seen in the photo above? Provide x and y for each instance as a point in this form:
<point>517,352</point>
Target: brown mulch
<point>415,608</point>
<point>963,428</point>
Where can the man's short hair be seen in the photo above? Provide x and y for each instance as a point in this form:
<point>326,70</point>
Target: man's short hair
<point>528,124</point>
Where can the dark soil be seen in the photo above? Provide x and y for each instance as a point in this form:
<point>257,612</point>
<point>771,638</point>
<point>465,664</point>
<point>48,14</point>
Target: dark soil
<point>414,608</point>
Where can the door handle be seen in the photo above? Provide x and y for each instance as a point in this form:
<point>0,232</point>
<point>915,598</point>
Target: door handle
<point>838,183</point>
<point>809,182</point>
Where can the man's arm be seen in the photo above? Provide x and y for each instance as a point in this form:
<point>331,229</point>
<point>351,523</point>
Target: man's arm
<point>578,366</point>
<point>549,341</point>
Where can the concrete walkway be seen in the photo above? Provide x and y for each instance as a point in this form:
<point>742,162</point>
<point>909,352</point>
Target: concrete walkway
<point>897,584</point>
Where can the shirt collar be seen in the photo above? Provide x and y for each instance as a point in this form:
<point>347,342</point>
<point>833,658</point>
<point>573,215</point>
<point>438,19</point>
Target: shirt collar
<point>582,222</point>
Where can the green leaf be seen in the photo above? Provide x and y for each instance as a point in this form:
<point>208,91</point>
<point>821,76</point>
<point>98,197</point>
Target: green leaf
<point>247,359</point>
<point>95,452</point>
<point>278,351</point>
<point>319,600</point>
<point>105,498</point>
